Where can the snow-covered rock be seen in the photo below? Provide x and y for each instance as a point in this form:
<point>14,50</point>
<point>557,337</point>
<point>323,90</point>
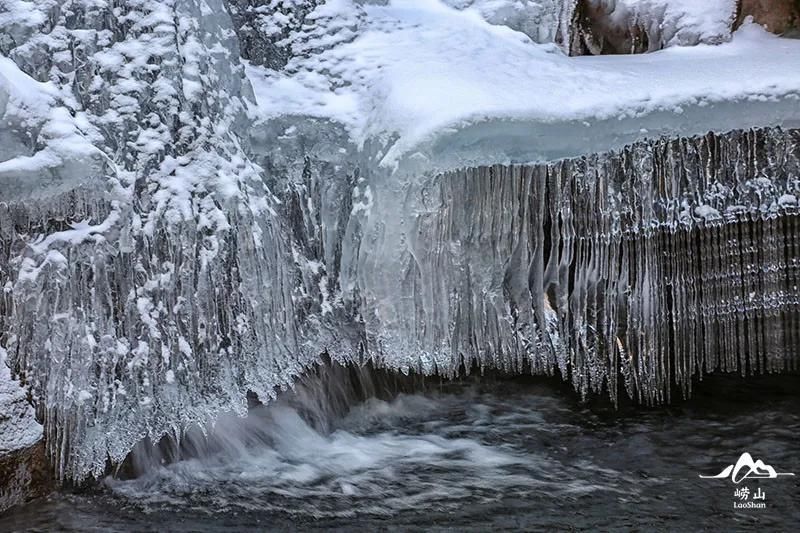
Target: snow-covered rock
<point>43,149</point>
<point>18,426</point>
<point>264,27</point>
<point>21,458</point>
<point>634,26</point>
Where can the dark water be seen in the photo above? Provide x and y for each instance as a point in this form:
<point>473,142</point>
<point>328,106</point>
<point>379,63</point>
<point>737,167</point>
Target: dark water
<point>506,456</point>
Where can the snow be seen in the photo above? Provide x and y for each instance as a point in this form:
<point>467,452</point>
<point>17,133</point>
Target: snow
<point>66,155</point>
<point>24,90</point>
<point>21,12</point>
<point>419,71</point>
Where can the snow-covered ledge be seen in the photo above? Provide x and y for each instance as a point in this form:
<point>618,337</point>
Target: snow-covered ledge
<point>472,93</point>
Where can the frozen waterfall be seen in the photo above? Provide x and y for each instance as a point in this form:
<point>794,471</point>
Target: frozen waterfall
<point>173,238</point>
<point>654,264</point>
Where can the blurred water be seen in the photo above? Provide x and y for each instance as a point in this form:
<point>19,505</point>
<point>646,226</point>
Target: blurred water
<point>507,455</point>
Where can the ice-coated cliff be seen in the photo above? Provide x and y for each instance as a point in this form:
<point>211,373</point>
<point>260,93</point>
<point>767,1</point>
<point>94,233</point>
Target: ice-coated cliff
<point>199,198</point>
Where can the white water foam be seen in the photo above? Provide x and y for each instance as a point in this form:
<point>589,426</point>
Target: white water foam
<point>381,459</point>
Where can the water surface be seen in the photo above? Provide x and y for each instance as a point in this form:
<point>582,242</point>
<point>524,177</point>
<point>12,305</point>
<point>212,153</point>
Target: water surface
<point>508,455</point>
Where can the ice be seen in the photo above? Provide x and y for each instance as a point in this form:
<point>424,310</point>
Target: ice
<point>158,292</point>
<point>179,228</point>
<point>544,21</point>
<point>665,253</point>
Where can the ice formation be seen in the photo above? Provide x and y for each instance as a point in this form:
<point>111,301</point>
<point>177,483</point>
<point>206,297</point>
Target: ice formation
<point>648,25</point>
<point>158,291</point>
<point>376,181</point>
<point>544,21</point>
<point>656,263</point>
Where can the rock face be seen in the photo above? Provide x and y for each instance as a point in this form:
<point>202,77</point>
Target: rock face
<point>18,426</point>
<point>778,16</point>
<point>24,474</point>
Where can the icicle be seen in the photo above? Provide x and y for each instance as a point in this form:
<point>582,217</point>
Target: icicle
<point>659,263</point>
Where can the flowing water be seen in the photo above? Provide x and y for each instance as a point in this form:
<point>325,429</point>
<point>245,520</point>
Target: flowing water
<point>501,455</point>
